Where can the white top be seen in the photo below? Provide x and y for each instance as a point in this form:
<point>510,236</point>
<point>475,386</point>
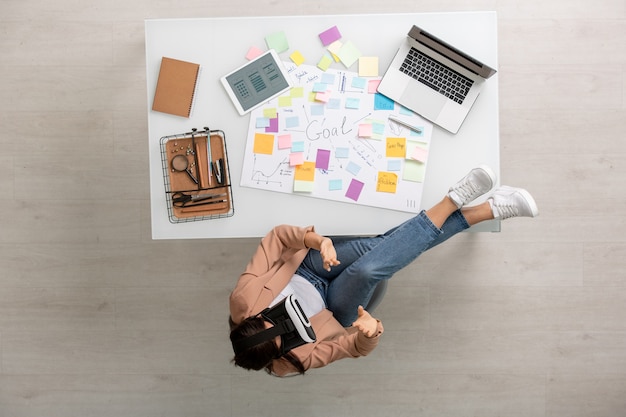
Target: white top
<point>307,295</point>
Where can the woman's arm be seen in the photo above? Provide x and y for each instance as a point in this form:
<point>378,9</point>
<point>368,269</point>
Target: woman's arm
<point>325,246</point>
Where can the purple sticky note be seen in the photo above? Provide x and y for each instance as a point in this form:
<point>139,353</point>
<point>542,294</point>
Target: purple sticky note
<point>330,35</point>
<point>354,190</point>
<point>322,159</point>
<point>273,127</point>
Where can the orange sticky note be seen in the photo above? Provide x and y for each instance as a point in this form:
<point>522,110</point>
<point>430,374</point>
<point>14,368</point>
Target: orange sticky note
<point>305,172</point>
<point>263,143</point>
<point>387,182</point>
<point>396,147</point>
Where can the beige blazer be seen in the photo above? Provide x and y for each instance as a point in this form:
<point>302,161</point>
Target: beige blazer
<point>272,266</point>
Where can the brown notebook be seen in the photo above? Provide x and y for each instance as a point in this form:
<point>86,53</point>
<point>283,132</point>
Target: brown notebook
<point>175,87</point>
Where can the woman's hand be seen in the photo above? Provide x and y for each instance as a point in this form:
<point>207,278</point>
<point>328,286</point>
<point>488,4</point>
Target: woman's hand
<point>329,255</point>
<point>366,324</point>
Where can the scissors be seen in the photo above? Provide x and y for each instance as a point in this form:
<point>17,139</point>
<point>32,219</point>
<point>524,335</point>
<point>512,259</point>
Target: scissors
<point>188,200</point>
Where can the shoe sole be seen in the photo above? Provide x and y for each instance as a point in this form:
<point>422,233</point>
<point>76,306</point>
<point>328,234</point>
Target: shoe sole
<point>534,209</point>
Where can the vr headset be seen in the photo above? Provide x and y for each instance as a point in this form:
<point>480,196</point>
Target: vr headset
<point>290,323</point>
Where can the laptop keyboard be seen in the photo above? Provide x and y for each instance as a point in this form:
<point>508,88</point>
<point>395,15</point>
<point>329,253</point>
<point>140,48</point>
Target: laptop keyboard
<point>437,76</point>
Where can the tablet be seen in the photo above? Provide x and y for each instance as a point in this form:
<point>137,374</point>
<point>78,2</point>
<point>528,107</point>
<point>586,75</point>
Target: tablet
<point>256,82</point>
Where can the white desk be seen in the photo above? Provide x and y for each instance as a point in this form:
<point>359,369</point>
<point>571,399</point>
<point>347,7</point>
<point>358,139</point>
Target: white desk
<point>219,45</point>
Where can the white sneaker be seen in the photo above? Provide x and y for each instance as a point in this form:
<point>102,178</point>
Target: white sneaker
<point>473,185</point>
<point>507,202</point>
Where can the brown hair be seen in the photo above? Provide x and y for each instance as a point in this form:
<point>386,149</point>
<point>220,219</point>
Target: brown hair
<point>262,355</point>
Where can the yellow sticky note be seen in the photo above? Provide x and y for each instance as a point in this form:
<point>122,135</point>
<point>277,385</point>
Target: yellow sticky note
<point>305,172</point>
<point>387,182</point>
<point>263,143</point>
<point>297,58</point>
<point>368,66</point>
<point>396,147</point>
<point>324,63</point>
<point>284,101</point>
<point>270,113</point>
<point>297,92</point>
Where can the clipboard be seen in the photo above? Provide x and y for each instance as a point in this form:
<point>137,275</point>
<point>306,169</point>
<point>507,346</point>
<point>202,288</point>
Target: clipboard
<point>196,175</point>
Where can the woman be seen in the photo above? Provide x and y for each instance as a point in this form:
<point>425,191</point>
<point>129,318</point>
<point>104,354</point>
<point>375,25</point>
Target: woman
<point>334,280</point>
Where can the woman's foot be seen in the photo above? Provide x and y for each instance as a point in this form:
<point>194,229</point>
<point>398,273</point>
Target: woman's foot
<point>507,202</point>
<point>476,183</point>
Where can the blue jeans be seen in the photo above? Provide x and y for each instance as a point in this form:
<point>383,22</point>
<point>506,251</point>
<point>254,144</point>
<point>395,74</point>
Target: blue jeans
<point>365,261</point>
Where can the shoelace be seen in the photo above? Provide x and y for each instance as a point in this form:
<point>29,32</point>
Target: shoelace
<point>466,190</point>
<point>506,211</point>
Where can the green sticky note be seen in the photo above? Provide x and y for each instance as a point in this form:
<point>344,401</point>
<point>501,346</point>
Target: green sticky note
<point>349,54</point>
<point>413,171</point>
<point>277,41</point>
<point>324,63</point>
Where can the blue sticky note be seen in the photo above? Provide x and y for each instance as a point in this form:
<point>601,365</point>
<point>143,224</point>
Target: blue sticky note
<point>353,168</point>
<point>394,165</point>
<point>359,82</point>
<point>317,110</point>
<point>342,152</point>
<point>334,185</point>
<point>292,121</point>
<point>262,122</point>
<point>352,103</point>
<point>382,103</point>
<point>328,78</point>
<point>320,88</point>
<point>378,128</point>
<point>333,103</point>
<point>297,146</point>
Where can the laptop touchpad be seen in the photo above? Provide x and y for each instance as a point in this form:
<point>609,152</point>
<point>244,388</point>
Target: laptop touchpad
<point>423,100</point>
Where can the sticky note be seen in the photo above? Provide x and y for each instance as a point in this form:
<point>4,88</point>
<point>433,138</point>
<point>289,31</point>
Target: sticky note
<point>273,127</point>
<point>419,154</point>
<point>262,122</point>
<point>333,104</point>
<point>354,190</point>
<point>353,168</point>
<point>263,143</point>
<point>305,171</point>
<point>372,86</point>
<point>270,113</point>
<point>319,87</point>
<point>253,52</point>
<point>368,66</point>
<point>335,47</point>
<point>382,103</point>
<point>328,78</point>
<point>324,63</point>
<point>284,101</point>
<point>323,159</point>
<point>284,141</point>
<point>296,158</point>
<point>334,185</point>
<point>297,146</point>
<point>396,148</point>
<point>342,152</point>
<point>303,186</point>
<point>297,58</point>
<point>317,110</point>
<point>349,54</point>
<point>394,165</point>
<point>297,92</point>
<point>277,41</point>
<point>292,121</point>
<point>365,130</point>
<point>330,35</point>
<point>359,82</point>
<point>413,171</point>
<point>353,103</point>
<point>323,97</point>
<point>387,182</point>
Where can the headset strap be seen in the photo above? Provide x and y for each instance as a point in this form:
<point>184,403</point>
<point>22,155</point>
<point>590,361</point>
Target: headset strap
<point>285,326</point>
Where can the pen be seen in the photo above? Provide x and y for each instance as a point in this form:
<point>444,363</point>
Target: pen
<point>406,124</point>
<point>208,151</point>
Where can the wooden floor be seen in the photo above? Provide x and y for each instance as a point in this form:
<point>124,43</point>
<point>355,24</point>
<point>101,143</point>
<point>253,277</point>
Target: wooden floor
<point>96,319</point>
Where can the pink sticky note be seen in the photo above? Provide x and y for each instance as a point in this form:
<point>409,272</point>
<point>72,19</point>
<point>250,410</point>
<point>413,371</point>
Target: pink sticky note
<point>253,52</point>
<point>372,86</point>
<point>365,130</point>
<point>296,158</point>
<point>330,35</point>
<point>323,158</point>
<point>419,154</point>
<point>273,127</point>
<point>354,190</point>
<point>323,97</point>
<point>284,141</point>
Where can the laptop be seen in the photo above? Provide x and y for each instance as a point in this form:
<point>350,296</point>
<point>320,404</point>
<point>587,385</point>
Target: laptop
<point>434,79</point>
